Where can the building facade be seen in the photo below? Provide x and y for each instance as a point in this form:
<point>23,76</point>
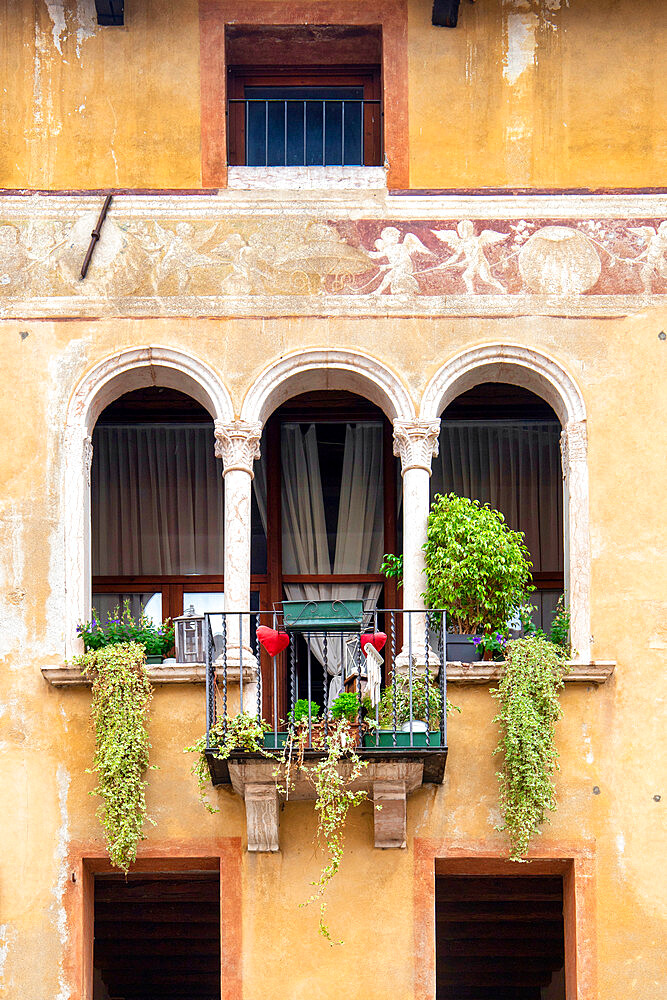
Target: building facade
<point>352,258</point>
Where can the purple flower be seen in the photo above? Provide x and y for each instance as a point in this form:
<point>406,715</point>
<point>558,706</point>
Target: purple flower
<point>477,639</point>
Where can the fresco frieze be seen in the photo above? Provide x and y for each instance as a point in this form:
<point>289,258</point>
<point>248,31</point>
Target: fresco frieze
<point>167,260</point>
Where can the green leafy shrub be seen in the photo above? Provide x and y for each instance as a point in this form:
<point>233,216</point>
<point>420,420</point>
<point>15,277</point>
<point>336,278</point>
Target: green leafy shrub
<point>121,698</point>
<point>477,568</point>
<point>346,706</point>
<point>121,627</point>
<point>392,567</point>
<point>529,709</point>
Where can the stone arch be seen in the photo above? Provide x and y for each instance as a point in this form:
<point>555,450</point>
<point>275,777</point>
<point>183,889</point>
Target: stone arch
<point>109,378</point>
<point>323,369</point>
<point>543,375</point>
<point>505,363</point>
<point>146,366</point>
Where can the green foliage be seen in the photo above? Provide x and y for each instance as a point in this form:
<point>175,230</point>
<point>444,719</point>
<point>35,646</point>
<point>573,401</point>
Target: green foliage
<point>122,628</point>
<point>398,695</point>
<point>392,566</point>
<point>477,568</point>
<point>242,732</point>
<point>494,643</point>
<point>333,801</point>
<point>529,709</point>
<point>301,710</point>
<point>560,626</point>
<point>121,697</point>
<point>346,706</point>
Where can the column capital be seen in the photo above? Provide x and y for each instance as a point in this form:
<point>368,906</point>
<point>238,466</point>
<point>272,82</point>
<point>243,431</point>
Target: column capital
<point>416,443</point>
<point>573,443</point>
<point>237,444</point>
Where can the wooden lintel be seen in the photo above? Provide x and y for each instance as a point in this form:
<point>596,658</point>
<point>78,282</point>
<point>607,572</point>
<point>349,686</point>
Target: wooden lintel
<point>445,13</point>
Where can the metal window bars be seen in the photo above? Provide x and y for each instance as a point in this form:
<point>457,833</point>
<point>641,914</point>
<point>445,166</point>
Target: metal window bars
<point>413,676</point>
<point>261,120</point>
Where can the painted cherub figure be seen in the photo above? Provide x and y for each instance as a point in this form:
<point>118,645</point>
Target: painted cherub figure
<point>469,253</point>
<point>399,269</point>
<point>654,255</point>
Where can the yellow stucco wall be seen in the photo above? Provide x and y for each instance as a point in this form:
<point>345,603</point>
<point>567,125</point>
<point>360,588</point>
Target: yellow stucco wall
<point>533,93</point>
<point>611,737</point>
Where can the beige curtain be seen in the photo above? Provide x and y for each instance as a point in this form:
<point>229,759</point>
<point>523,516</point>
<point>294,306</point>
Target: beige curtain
<point>157,500</point>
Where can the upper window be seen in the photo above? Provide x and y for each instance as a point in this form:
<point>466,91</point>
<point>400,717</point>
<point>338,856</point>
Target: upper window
<point>324,112</point>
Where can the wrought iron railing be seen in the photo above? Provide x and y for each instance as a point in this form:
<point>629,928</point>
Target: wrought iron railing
<point>304,132</point>
<point>242,677</point>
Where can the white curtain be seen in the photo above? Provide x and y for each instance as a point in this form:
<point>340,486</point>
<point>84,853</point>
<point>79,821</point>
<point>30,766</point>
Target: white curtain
<point>360,523</point>
<point>515,467</point>
<point>157,500</point>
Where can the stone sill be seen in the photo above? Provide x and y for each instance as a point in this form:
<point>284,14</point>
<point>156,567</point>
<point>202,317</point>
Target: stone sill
<point>306,178</point>
<point>482,672</point>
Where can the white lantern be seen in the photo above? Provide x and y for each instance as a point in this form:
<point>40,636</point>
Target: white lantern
<point>189,629</point>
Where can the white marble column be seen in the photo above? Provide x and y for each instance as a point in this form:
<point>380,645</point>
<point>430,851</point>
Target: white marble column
<point>237,444</point>
<point>574,453</point>
<point>416,443</point>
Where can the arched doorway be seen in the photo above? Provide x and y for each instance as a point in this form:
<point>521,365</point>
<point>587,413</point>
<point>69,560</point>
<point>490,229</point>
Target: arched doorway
<point>325,511</point>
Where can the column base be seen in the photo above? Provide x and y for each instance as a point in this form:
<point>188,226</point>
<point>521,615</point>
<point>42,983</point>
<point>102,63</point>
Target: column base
<point>419,662</point>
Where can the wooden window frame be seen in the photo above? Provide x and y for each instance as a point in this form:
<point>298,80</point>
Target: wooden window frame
<point>240,77</point>
<point>391,16</point>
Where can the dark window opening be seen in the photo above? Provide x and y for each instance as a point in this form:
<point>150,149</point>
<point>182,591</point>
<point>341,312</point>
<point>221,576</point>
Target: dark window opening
<point>157,935</point>
<point>500,444</point>
<point>499,938</point>
<point>304,96</point>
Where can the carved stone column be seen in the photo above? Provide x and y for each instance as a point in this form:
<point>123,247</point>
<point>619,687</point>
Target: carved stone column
<point>574,453</point>
<point>237,444</point>
<point>416,443</point>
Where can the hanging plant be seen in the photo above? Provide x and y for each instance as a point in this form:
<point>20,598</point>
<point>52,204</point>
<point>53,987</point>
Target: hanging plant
<point>333,800</point>
<point>529,709</point>
<point>121,697</point>
<point>333,793</point>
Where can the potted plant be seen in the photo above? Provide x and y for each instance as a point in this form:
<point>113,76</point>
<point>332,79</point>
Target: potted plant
<point>393,724</point>
<point>477,571</point>
<point>121,627</point>
<point>298,717</point>
<point>346,708</point>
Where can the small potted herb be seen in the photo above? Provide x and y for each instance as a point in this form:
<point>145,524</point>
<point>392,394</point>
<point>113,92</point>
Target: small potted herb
<point>297,717</point>
<point>121,627</point>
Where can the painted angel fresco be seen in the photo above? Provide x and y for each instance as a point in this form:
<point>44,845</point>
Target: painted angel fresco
<point>469,253</point>
<point>653,255</point>
<point>399,270</point>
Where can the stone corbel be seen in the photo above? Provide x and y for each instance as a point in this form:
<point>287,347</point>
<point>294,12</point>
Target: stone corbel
<point>261,807</point>
<point>390,813</point>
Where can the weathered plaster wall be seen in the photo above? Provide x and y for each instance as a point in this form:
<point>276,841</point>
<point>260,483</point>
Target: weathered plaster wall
<point>535,93</point>
<point>611,738</point>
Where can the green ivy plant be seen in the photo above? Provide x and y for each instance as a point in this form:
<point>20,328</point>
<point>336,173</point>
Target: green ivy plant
<point>121,698</point>
<point>333,800</point>
<point>529,709</point>
<point>477,568</point>
<point>333,795</point>
<point>242,732</point>
<point>396,698</point>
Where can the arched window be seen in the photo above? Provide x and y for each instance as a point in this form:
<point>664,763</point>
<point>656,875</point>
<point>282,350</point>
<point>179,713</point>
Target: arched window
<point>500,444</point>
<point>157,506</point>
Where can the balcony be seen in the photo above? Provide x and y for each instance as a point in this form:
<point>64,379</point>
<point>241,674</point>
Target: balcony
<point>386,664</point>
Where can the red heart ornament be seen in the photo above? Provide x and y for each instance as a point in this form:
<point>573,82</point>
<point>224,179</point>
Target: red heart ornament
<point>376,639</point>
<point>273,642</point>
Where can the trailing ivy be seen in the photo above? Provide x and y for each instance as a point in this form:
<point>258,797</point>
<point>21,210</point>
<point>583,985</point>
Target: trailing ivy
<point>242,732</point>
<point>121,697</point>
<point>333,800</point>
<point>529,709</point>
